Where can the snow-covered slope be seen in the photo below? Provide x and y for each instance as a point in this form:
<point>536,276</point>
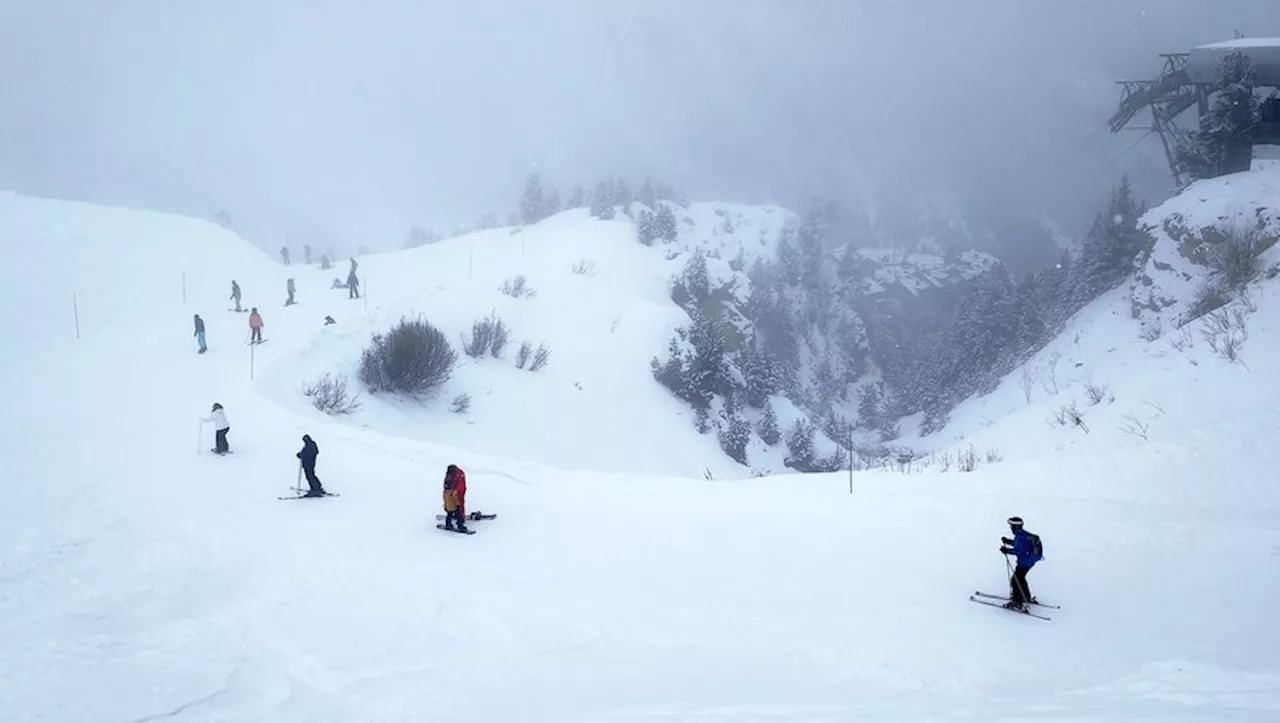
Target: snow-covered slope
<point>141,580</point>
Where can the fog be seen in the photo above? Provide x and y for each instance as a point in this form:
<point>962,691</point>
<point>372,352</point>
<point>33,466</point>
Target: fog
<point>348,122</point>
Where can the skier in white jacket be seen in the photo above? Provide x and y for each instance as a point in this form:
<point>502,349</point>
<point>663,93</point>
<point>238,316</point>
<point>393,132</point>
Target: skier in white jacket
<point>221,426</point>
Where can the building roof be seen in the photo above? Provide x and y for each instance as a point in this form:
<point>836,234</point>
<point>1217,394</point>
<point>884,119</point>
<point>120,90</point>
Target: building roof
<point>1203,61</point>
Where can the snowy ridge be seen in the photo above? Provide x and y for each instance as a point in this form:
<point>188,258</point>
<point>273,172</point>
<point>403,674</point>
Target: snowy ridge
<point>140,579</point>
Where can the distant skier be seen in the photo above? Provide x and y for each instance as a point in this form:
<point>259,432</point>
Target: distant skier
<point>221,426</point>
<point>455,498</point>
<point>308,456</point>
<point>200,334</point>
<point>235,294</point>
<point>353,284</point>
<point>289,289</point>
<point>284,255</point>
<point>255,326</point>
<point>329,320</point>
<point>1026,546</point>
<point>306,254</point>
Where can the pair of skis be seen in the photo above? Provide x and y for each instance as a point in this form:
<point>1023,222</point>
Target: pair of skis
<point>986,598</point>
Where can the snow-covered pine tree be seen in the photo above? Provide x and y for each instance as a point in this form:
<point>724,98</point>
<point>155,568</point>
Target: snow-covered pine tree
<point>706,367</point>
<point>696,278</point>
<point>533,205</point>
<point>735,436</point>
<point>800,446</point>
<point>602,202</point>
<point>622,193</point>
<point>647,196</point>
<point>664,223</point>
<point>552,202</point>
<point>644,227</point>
<point>769,431</point>
<point>577,199</point>
<point>870,406</point>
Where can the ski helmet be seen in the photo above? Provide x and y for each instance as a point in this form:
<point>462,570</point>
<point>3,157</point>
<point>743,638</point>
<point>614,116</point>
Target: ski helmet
<point>216,406</point>
<point>1015,521</point>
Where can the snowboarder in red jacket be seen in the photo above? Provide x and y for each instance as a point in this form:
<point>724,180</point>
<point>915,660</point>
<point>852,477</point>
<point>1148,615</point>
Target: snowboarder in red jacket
<point>455,498</point>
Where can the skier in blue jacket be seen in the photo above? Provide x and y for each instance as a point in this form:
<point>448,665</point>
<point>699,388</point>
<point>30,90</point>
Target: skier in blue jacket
<point>1026,547</point>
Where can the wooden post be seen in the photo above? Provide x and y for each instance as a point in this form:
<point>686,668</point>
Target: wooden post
<point>75,310</point>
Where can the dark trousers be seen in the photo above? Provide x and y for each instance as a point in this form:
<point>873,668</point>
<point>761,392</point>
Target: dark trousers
<point>220,440</point>
<point>312,480</point>
<point>353,292</point>
<point>237,300</point>
<point>1019,591</point>
<point>257,334</point>
<point>455,516</point>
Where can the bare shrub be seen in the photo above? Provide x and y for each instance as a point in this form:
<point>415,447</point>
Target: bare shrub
<point>1210,296</point>
<point>967,460</point>
<point>1050,378</point>
<point>517,287</point>
<point>1184,340</point>
<point>460,404</point>
<point>585,267</point>
<point>412,358</point>
<point>1027,381</point>
<point>540,357</point>
<point>329,394</point>
<point>488,335</point>
<point>1134,427</point>
<point>1095,392</point>
<point>1153,331</point>
<point>1070,414</point>
<point>994,455</point>
<point>526,351</point>
<point>1236,256</point>
<point>1226,332</point>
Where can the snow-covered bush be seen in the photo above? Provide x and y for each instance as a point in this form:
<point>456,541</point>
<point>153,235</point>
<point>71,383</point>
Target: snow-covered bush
<point>540,357</point>
<point>412,358</point>
<point>800,446</point>
<point>517,287</point>
<point>585,267</point>
<point>768,428</point>
<point>329,394</point>
<point>460,404</point>
<point>488,335</point>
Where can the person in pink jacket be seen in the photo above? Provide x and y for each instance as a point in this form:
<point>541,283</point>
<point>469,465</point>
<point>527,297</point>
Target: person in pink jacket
<point>255,325</point>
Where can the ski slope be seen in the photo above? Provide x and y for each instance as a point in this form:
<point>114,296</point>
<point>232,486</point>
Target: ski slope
<point>142,580</point>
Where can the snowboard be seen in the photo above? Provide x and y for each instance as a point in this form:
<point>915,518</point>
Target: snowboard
<point>468,532</point>
<point>305,497</point>
<point>471,516</point>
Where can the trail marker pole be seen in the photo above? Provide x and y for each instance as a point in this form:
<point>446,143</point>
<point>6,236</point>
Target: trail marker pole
<point>850,461</point>
<point>251,346</point>
<point>184,287</point>
<point>75,310</point>
<point>471,258</point>
<point>199,436</point>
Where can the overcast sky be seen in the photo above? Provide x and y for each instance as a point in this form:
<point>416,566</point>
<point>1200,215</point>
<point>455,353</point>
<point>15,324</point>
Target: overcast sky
<point>353,120</point>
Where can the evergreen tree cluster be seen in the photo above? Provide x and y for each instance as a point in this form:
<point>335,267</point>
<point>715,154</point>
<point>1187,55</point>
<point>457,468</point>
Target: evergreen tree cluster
<point>818,328</point>
<point>541,201</point>
<point>1224,142</point>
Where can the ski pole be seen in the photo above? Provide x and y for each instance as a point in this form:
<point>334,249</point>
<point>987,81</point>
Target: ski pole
<point>199,436</point>
<point>297,486</point>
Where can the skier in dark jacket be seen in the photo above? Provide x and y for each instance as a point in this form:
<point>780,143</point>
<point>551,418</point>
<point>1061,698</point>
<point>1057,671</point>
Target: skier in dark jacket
<point>353,286</point>
<point>1021,546</point>
<point>200,334</point>
<point>308,456</point>
<point>289,289</point>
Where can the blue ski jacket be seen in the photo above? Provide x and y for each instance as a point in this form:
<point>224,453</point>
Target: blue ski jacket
<point>1022,548</point>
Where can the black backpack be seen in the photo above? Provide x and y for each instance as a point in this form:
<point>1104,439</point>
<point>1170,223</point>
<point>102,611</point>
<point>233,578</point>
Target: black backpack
<point>1033,540</point>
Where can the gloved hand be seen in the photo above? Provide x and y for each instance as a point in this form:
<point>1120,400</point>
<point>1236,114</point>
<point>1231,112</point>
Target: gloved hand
<point>1006,540</point>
